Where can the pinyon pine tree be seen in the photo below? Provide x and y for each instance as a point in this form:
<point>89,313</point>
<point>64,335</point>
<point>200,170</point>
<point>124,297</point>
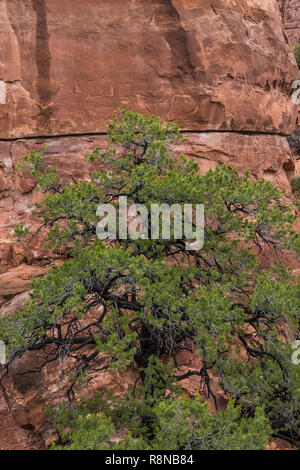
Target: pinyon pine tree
<point>119,304</point>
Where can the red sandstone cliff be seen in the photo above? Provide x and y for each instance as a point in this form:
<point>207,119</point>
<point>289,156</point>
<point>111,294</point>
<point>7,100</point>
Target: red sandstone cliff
<point>222,69</point>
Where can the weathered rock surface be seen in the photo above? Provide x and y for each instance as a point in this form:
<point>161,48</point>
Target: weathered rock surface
<point>294,141</point>
<point>28,394</point>
<point>290,10</point>
<point>217,64</point>
<point>222,69</point>
<point>17,281</point>
<point>14,437</point>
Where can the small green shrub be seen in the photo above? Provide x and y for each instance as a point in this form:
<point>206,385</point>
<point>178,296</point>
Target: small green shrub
<point>168,424</point>
<point>296,185</point>
<point>297,54</point>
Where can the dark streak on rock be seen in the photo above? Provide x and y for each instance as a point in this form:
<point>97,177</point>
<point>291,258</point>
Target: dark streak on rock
<point>180,43</point>
<point>43,61</point>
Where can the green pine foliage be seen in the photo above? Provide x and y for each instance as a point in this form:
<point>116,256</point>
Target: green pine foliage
<point>172,424</point>
<point>137,303</point>
<point>297,54</point>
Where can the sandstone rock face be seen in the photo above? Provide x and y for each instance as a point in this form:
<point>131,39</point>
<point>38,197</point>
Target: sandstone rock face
<point>17,281</point>
<point>290,10</point>
<point>27,395</point>
<point>222,69</point>
<point>13,437</point>
<point>217,64</point>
